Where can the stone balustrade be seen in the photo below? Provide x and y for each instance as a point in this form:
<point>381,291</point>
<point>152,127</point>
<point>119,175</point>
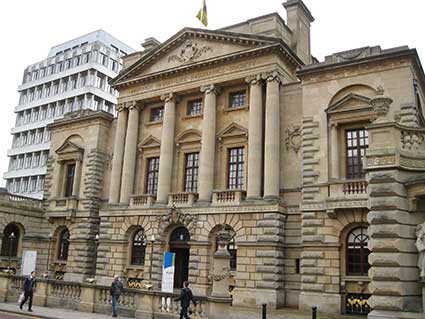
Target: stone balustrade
<point>185,199</point>
<point>142,201</point>
<point>348,188</point>
<point>228,197</point>
<point>12,198</point>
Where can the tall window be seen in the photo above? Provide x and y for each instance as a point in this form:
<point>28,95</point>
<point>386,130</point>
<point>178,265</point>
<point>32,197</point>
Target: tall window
<point>138,248</point>
<point>157,114</point>
<point>236,168</point>
<point>194,107</point>
<point>357,252</point>
<point>9,246</point>
<point>152,175</point>
<point>63,245</point>
<point>237,99</point>
<point>191,172</point>
<point>69,179</point>
<point>357,142</point>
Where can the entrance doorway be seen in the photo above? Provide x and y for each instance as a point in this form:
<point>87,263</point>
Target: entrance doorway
<point>179,245</point>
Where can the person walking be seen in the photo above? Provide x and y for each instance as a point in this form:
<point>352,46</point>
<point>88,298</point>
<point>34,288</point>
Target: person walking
<point>116,291</point>
<point>185,297</point>
<point>29,288</point>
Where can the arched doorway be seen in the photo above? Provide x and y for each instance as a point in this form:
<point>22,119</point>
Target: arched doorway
<point>179,244</point>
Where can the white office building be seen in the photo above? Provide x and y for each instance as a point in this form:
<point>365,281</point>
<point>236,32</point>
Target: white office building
<point>74,76</point>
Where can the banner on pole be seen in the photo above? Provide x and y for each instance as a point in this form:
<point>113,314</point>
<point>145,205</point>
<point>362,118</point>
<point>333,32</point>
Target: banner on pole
<point>168,272</point>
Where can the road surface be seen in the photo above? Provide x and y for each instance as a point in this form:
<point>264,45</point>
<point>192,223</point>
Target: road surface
<point>7,315</point>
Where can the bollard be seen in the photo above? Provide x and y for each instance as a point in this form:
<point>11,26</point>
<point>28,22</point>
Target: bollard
<point>314,312</point>
<point>264,311</point>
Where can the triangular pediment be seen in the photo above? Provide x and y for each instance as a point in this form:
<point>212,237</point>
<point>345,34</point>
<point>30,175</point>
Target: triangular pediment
<point>191,47</point>
<point>350,102</point>
<point>69,147</point>
<point>232,130</point>
<point>150,142</point>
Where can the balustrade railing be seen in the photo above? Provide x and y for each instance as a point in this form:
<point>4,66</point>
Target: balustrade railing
<point>166,304</point>
<point>354,188</point>
<point>228,197</point>
<point>184,199</point>
<point>66,290</point>
<point>21,200</point>
<point>145,200</point>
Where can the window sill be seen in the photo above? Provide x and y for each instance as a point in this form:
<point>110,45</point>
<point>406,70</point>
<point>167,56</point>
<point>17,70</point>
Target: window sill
<point>239,108</point>
<point>153,123</point>
<point>187,117</point>
<point>355,278</point>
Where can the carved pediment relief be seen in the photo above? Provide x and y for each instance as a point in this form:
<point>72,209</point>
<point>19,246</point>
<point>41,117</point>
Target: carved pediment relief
<point>190,136</point>
<point>233,130</point>
<point>149,143</point>
<point>350,102</point>
<point>70,149</point>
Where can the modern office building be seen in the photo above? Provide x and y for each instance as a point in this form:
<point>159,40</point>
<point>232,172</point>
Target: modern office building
<point>74,76</point>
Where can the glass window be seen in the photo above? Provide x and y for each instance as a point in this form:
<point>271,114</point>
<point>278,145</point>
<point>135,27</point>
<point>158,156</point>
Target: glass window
<point>63,245</point>
<point>180,234</point>
<point>32,185</point>
<point>40,183</point>
<point>357,143</point>
<point>157,114</point>
<point>44,156</point>
<point>10,241</point>
<point>69,179</point>
<point>138,248</point>
<point>152,175</point>
<point>191,172</point>
<point>236,168</point>
<point>357,252</point>
<point>237,99</point>
<point>36,160</point>
<point>194,107</point>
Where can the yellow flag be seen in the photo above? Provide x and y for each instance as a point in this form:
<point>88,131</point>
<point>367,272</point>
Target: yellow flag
<point>202,14</point>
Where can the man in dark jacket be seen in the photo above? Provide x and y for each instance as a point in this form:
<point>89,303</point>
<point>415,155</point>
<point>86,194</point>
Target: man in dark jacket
<point>185,297</point>
<point>116,291</point>
<point>29,288</point>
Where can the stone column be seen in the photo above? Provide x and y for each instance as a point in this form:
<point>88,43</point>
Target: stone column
<point>207,156</point>
<point>129,165</point>
<point>272,138</point>
<point>255,137</point>
<point>114,190</point>
<point>221,266</point>
<point>333,138</point>
<point>167,147</point>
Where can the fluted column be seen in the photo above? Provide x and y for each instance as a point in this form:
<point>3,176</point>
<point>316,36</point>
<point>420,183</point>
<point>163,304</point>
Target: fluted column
<point>207,156</point>
<point>334,151</point>
<point>272,133</point>
<point>255,137</point>
<point>167,149</point>
<point>129,165</point>
<point>114,190</point>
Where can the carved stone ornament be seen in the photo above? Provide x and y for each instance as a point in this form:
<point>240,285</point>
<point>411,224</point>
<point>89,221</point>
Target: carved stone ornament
<point>173,217</point>
<point>420,246</point>
<point>190,52</point>
<point>220,276</point>
<point>293,138</point>
<point>381,105</point>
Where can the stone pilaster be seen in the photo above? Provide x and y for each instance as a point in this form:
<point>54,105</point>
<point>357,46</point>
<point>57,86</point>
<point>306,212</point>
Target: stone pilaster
<point>129,165</point>
<point>207,156</point>
<point>255,137</point>
<point>334,151</point>
<point>167,149</point>
<point>77,178</point>
<point>272,138</point>
<point>117,161</point>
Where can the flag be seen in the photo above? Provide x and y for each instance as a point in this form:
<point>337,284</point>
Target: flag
<point>202,14</point>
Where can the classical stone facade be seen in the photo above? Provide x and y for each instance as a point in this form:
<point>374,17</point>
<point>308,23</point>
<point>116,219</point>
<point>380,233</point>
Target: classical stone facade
<point>273,178</point>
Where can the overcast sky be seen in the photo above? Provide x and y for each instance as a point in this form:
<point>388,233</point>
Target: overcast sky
<point>29,28</point>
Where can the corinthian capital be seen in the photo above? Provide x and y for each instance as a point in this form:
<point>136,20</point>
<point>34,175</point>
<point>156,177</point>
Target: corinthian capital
<point>168,97</point>
<point>254,79</point>
<point>120,107</point>
<point>132,105</point>
<point>210,89</point>
<point>272,76</point>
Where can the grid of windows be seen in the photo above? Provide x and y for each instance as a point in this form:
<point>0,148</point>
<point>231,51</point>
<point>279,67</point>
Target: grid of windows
<point>157,114</point>
<point>237,99</point>
<point>357,252</point>
<point>191,172</point>
<point>357,142</point>
<point>194,107</point>
<point>152,175</point>
<point>236,168</point>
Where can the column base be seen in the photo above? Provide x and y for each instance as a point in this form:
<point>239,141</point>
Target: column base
<point>325,302</point>
<point>271,198</point>
<point>253,198</point>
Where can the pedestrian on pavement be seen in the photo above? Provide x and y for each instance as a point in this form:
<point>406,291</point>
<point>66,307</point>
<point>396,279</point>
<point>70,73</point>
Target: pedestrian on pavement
<point>29,288</point>
<point>185,297</point>
<point>116,291</point>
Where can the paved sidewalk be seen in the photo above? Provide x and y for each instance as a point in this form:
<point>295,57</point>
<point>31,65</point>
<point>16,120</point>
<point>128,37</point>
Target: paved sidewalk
<point>51,313</point>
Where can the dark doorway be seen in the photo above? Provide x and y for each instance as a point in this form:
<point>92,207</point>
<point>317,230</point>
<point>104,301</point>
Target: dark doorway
<point>179,245</point>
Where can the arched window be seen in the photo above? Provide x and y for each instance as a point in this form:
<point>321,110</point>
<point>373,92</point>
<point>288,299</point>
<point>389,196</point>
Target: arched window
<point>231,248</point>
<point>180,234</point>
<point>357,252</point>
<point>10,241</point>
<point>63,245</point>
<point>138,248</point>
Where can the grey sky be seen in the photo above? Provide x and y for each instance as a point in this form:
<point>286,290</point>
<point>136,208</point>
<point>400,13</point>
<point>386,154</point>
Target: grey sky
<point>29,28</point>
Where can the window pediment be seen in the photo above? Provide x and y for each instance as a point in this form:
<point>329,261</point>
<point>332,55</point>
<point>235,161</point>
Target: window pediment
<point>149,143</point>
<point>233,131</point>
<point>70,150</point>
<point>190,136</point>
<point>349,103</point>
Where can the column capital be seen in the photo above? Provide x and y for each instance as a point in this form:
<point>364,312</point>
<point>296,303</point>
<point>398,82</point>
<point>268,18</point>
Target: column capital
<point>254,79</point>
<point>169,97</point>
<point>272,76</point>
<point>210,89</point>
<point>120,107</point>
<point>133,105</point>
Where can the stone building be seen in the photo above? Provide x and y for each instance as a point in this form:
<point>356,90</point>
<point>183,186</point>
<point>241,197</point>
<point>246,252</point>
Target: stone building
<point>291,181</point>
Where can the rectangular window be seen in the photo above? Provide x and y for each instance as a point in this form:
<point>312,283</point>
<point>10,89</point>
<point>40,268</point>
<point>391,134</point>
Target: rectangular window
<point>194,107</point>
<point>237,99</point>
<point>357,143</point>
<point>157,114</point>
<point>236,168</point>
<point>36,160</point>
<point>33,183</point>
<point>40,183</point>
<point>152,175</point>
<point>191,172</point>
<point>44,156</point>
<point>69,179</point>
